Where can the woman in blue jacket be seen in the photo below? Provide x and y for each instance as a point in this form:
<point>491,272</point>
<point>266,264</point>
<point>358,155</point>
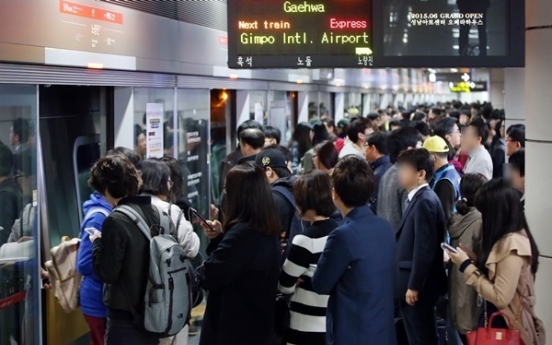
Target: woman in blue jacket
<point>96,210</point>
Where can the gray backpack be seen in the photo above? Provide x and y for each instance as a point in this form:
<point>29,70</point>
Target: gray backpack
<point>168,293</point>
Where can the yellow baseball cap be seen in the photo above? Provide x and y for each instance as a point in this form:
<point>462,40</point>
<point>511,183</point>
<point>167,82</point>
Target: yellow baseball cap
<point>436,144</point>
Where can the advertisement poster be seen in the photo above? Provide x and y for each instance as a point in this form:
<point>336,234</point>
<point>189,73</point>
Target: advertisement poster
<point>154,130</point>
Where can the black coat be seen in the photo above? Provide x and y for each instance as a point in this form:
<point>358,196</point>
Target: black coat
<point>419,255</point>
<point>241,276</point>
<point>286,211</point>
<point>121,256</point>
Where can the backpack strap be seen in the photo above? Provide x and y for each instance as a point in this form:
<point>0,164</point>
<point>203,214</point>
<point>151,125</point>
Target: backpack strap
<point>164,220</point>
<point>180,215</point>
<point>92,212</point>
<point>284,193</point>
<point>143,226</point>
<point>179,219</point>
<point>136,219</point>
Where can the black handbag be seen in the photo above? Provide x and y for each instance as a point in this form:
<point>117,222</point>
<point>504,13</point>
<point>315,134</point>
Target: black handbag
<point>281,320</point>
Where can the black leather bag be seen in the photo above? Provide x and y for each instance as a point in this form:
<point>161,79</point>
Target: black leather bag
<point>281,320</point>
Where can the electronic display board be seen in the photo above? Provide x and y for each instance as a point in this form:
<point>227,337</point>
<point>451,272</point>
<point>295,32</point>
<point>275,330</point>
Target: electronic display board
<point>300,33</point>
<point>379,34</point>
<point>459,28</point>
<point>449,33</point>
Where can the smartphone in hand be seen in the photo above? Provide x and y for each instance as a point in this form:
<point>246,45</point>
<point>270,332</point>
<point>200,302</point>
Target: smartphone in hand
<point>92,231</point>
<point>447,247</point>
<point>202,220</point>
<point>468,251</point>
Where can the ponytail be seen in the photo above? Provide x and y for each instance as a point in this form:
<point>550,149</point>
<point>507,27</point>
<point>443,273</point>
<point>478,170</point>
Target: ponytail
<point>469,185</point>
<point>462,207</point>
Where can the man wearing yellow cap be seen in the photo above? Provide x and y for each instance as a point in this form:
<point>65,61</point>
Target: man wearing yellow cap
<point>446,183</point>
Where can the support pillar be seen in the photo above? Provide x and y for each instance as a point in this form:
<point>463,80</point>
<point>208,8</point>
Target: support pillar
<point>124,117</point>
<point>538,102</point>
<point>497,87</point>
<point>514,95</point>
<point>243,109</point>
<point>339,110</point>
<point>303,105</point>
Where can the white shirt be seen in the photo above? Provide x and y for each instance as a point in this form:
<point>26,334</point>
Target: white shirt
<point>415,190</point>
<point>187,238</point>
<point>480,162</point>
<point>351,149</point>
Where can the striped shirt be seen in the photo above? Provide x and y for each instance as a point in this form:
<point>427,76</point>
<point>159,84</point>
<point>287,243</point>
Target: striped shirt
<point>308,309</point>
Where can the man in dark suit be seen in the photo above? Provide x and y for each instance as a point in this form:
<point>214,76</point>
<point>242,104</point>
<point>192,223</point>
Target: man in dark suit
<point>357,265</point>
<point>421,277</point>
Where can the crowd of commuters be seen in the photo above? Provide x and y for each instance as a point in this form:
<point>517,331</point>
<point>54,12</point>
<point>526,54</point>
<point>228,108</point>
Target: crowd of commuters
<point>401,183</point>
<point>347,221</point>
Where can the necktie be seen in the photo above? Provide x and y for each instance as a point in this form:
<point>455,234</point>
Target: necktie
<point>405,206</point>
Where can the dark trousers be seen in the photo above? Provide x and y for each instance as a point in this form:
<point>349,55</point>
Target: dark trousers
<point>97,329</point>
<point>420,322</point>
<point>123,332</point>
<point>464,38</point>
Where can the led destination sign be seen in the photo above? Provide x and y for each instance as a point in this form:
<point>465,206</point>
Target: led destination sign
<point>300,33</point>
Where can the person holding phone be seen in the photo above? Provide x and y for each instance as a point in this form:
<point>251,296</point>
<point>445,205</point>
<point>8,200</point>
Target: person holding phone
<point>465,229</point>
<point>108,180</point>
<point>242,271</point>
<point>505,270</point>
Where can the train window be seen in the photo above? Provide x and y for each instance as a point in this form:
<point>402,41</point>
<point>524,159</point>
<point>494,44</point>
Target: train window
<point>86,151</point>
<point>19,281</point>
<point>193,149</point>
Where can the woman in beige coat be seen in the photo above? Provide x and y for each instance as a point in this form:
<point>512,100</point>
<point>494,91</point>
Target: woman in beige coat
<point>504,273</point>
<point>465,229</point>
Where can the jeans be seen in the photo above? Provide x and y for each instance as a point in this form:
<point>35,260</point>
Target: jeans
<point>124,332</point>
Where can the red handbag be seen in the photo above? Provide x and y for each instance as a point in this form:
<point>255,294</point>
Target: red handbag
<point>494,336</point>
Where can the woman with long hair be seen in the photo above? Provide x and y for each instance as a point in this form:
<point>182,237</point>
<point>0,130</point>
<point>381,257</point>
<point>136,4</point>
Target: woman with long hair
<point>504,272</point>
<point>465,229</point>
<point>325,157</point>
<point>320,134</point>
<point>301,142</point>
<point>242,271</point>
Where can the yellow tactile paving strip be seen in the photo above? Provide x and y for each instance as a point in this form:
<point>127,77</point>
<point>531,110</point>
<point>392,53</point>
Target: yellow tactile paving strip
<point>197,312</point>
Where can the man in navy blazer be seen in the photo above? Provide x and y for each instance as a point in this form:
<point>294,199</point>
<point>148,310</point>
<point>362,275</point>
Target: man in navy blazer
<point>358,263</point>
<point>420,273</point>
